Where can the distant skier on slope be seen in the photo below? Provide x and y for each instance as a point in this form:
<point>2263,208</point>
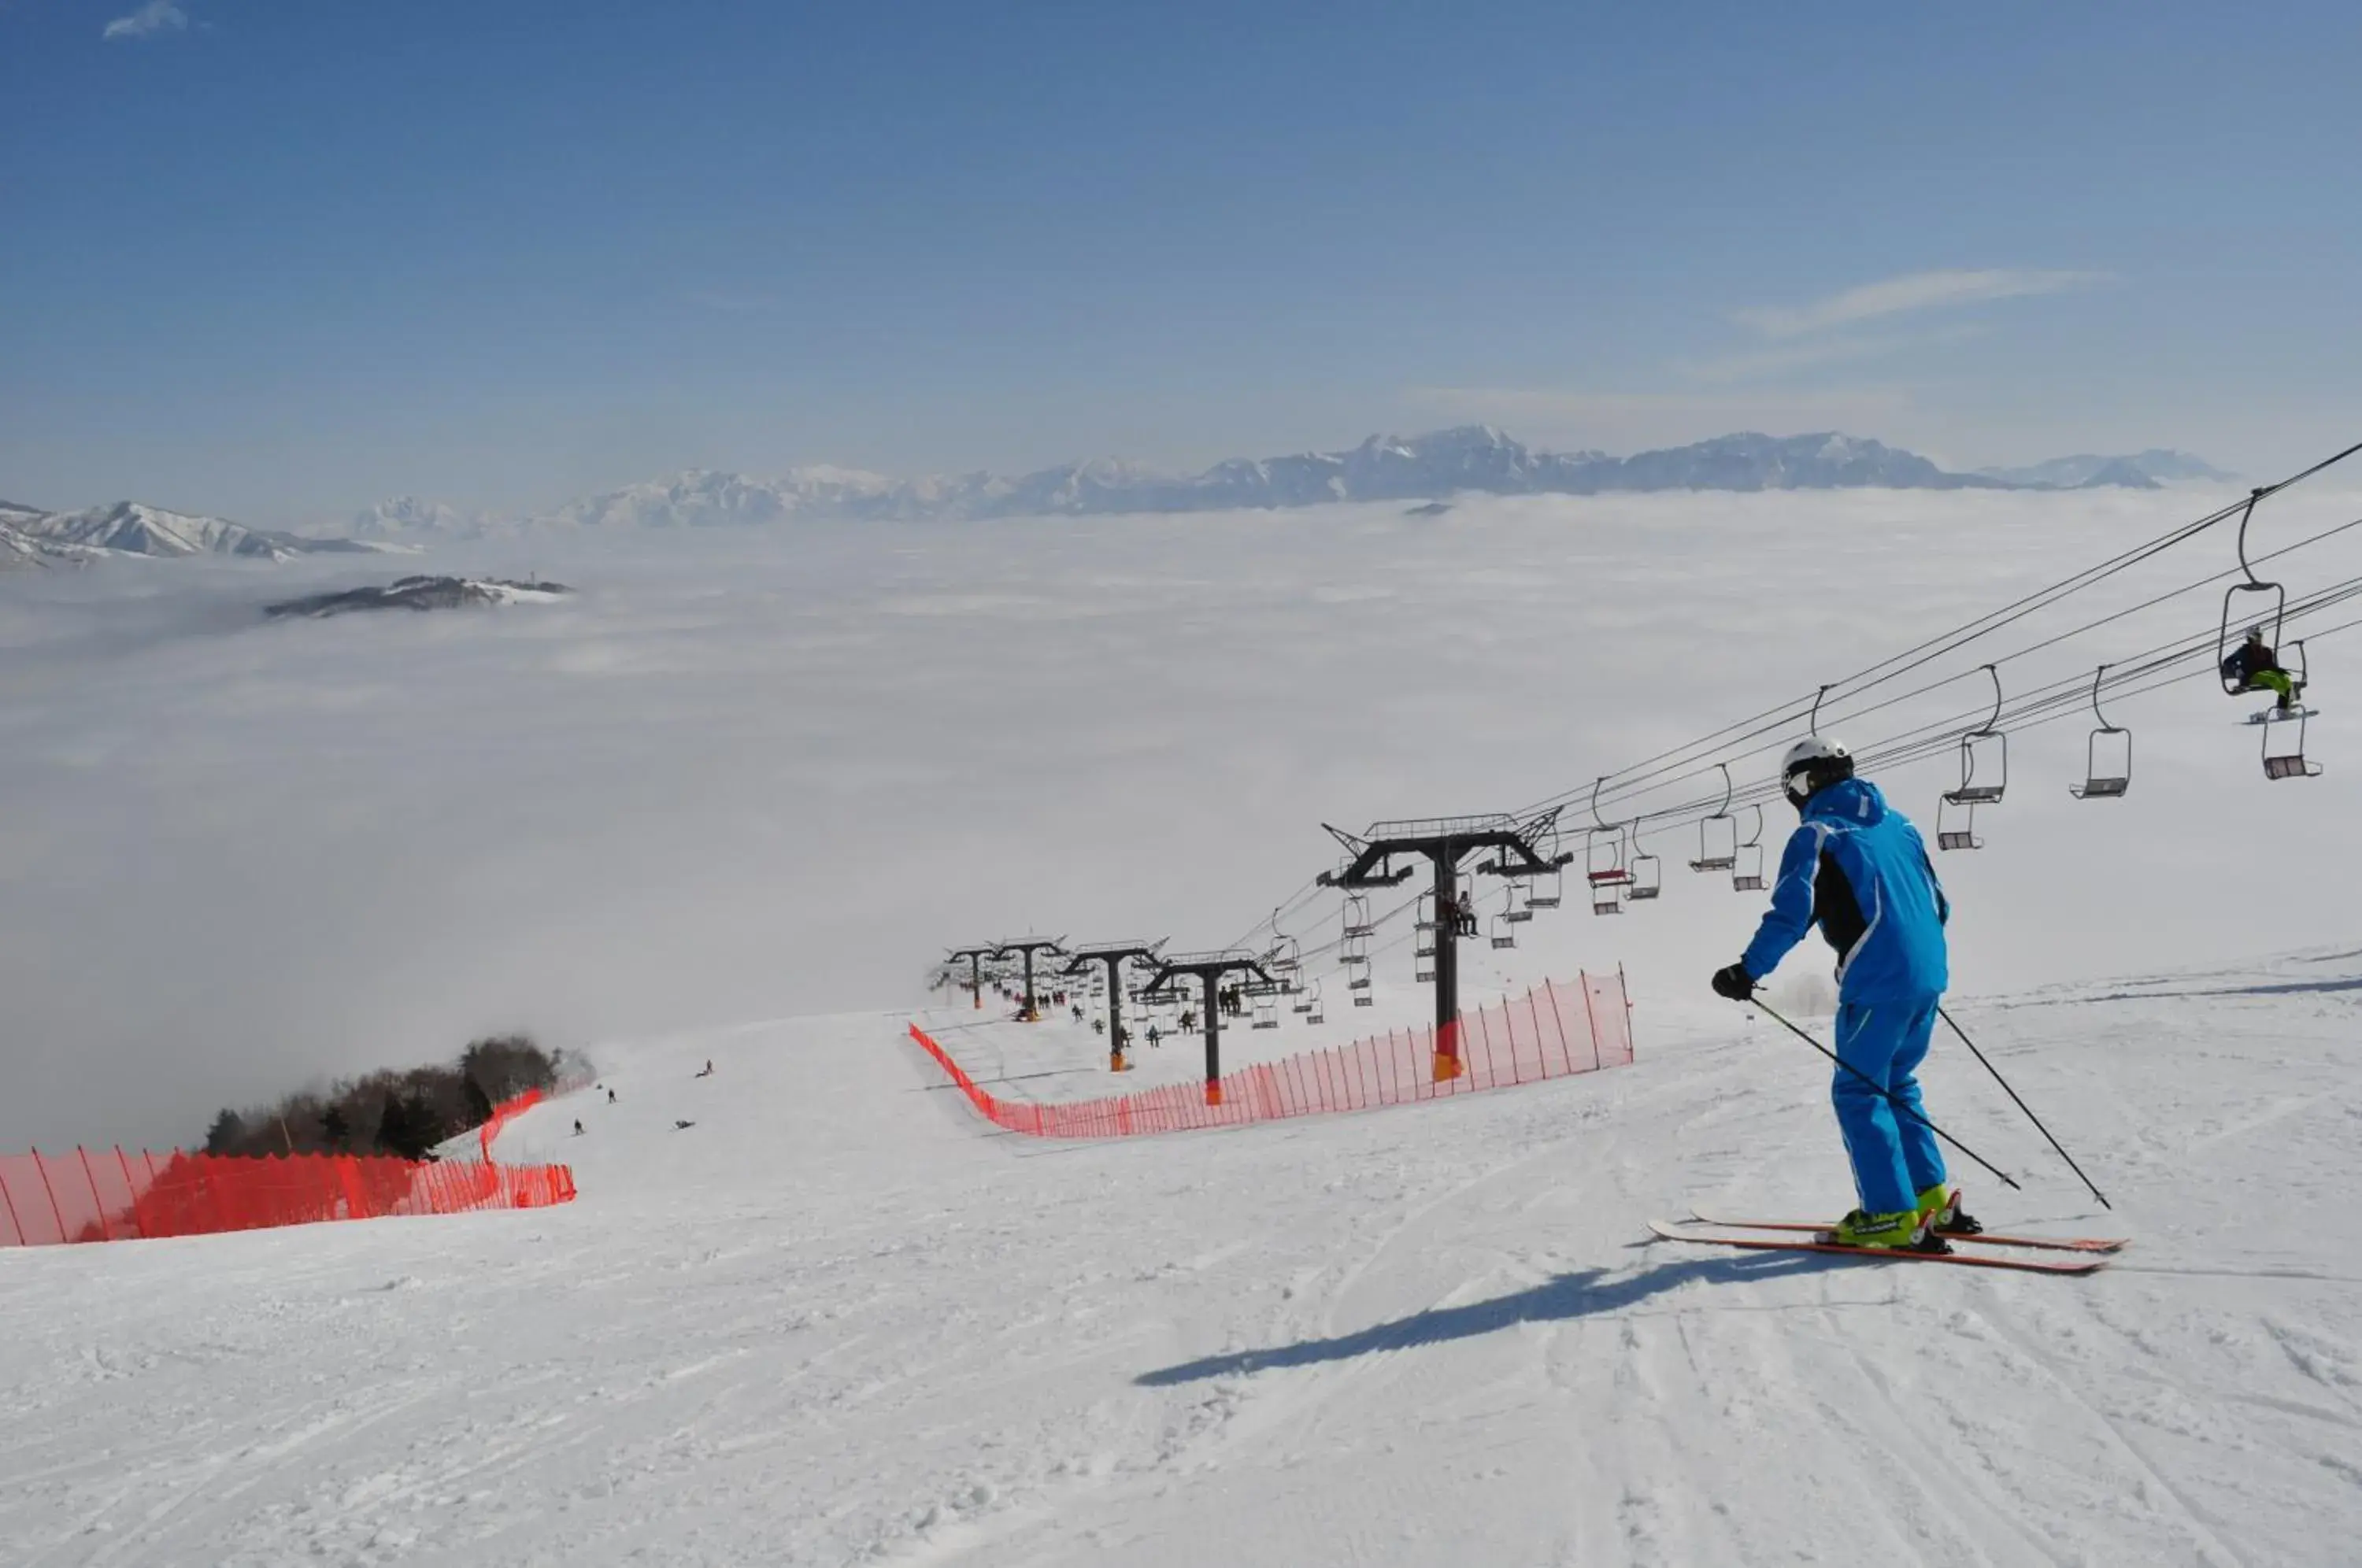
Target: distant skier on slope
<point>2257,668</point>
<point>1858,869</point>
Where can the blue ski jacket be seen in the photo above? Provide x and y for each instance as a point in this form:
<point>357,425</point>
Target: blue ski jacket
<point>1858,869</point>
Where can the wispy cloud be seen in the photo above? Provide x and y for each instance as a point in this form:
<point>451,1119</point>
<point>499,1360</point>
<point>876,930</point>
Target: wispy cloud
<point>1912,291</point>
<point>1763,364</point>
<point>154,17</point>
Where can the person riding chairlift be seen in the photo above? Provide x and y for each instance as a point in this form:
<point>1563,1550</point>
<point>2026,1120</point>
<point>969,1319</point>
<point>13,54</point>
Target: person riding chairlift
<point>2258,669</point>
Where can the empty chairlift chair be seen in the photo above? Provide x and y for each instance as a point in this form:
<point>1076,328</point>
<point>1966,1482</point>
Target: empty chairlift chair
<point>1718,835</point>
<point>1355,949</point>
<point>1504,932</point>
<point>1746,859</point>
<point>1516,908</point>
<point>1648,871</point>
<point>1302,994</point>
<point>2107,755</point>
<point>1956,825</point>
<point>1607,891</point>
<point>2284,751</point>
<point>1603,859</point>
<point>1987,747</point>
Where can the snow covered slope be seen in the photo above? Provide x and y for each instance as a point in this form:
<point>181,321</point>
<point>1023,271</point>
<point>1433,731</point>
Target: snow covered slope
<point>134,528</point>
<point>838,1320</point>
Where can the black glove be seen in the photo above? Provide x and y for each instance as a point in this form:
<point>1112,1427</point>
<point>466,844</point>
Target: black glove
<point>1733,982</point>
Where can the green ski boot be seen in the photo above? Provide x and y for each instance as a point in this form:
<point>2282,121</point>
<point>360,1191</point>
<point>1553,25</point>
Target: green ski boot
<point>1905,1229</point>
<point>1939,1205</point>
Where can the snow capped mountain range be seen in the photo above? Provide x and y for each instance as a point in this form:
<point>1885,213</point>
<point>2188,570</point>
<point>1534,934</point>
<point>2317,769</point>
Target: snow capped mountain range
<point>1384,467</point>
<point>32,537</point>
<point>1433,466</point>
<point>2140,470</point>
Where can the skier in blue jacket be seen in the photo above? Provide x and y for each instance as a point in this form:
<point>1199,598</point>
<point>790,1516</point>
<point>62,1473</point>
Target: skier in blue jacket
<point>1857,868</point>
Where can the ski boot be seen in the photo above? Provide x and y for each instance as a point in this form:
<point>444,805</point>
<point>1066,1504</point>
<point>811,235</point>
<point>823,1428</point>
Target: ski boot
<point>1905,1230</point>
<point>1939,1205</point>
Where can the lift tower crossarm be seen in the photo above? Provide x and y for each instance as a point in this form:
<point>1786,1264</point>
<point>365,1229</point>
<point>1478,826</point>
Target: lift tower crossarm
<point>1114,955</point>
<point>973,957</point>
<point>1208,969</point>
<point>1444,843</point>
<point>1029,946</point>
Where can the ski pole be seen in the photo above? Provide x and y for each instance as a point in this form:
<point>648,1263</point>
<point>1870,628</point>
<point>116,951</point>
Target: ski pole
<point>1891,1098</point>
<point>2030,1113</point>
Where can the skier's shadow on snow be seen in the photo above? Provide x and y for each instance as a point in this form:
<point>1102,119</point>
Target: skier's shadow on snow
<point>1567,1296</point>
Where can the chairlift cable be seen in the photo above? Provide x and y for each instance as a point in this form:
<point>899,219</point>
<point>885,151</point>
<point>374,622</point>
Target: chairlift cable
<point>1984,625</point>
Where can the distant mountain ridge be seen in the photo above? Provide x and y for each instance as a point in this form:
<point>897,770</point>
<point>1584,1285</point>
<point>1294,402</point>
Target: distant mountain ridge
<point>2085,470</point>
<point>1433,466</point>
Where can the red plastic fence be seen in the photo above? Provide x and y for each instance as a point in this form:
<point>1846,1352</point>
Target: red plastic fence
<point>106,1195</point>
<point>1551,1032</point>
<point>510,1110</point>
<point>502,1114</point>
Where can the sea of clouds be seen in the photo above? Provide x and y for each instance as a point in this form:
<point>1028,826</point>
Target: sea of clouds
<point>753,773</point>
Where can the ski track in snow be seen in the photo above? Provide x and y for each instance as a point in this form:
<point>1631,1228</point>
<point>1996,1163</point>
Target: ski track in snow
<point>842,1320</point>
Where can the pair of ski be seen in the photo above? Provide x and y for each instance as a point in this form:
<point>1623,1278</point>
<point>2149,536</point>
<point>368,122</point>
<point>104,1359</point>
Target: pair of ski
<point>1985,1250</point>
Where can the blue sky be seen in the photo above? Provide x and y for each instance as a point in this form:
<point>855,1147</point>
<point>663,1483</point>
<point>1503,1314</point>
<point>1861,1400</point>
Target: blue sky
<point>279,259</point>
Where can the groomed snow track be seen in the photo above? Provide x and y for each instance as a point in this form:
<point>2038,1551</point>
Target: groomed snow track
<point>838,1320</point>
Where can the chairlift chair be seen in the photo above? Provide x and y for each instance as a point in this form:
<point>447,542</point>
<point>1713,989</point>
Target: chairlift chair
<point>1266,1013</point>
<point>1956,823</point>
<point>1423,972</point>
<point>1423,915</point>
<point>1746,859</point>
<point>1648,871</point>
<point>2271,610</point>
<point>1515,909</point>
<point>1504,935</point>
<point>1986,740</point>
<point>2105,780</point>
<point>1357,914</point>
<point>1718,833</point>
<point>1607,897</point>
<point>2289,762</point>
<point>1603,849</point>
<point>1546,890</point>
<point>1604,859</point>
<point>1315,1014</point>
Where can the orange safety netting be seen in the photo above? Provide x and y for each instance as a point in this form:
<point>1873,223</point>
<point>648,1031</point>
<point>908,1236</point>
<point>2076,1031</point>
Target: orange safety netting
<point>108,1195</point>
<point>502,1114</point>
<point>1553,1031</point>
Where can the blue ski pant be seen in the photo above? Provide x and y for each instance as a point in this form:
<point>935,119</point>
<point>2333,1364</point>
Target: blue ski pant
<point>1893,1153</point>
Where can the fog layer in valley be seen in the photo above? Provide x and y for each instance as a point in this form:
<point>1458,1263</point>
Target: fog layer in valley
<point>748,773</point>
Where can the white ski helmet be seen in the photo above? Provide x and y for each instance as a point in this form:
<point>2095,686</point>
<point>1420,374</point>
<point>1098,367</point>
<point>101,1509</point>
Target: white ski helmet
<point>1812,764</point>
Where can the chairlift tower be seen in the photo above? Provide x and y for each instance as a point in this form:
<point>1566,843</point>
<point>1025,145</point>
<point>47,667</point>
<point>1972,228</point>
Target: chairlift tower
<point>1444,843</point>
<point>1208,969</point>
<point>1114,955</point>
<point>973,957</point>
<point>1029,947</point>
